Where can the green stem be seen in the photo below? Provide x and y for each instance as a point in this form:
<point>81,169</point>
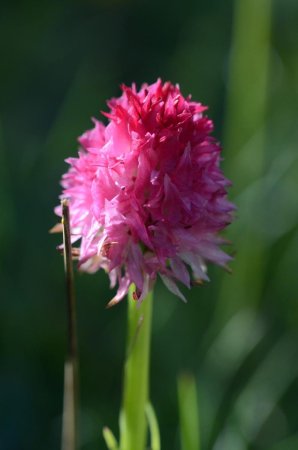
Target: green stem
<point>188,412</point>
<point>133,423</point>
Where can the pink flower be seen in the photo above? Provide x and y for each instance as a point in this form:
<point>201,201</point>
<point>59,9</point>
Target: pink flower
<point>146,192</point>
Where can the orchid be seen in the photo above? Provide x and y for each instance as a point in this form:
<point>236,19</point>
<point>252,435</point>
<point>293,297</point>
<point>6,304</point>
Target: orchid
<point>147,197</point>
<point>146,192</point>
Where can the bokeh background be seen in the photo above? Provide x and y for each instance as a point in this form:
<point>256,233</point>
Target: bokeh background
<point>60,61</point>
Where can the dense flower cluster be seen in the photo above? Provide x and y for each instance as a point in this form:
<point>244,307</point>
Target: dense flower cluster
<point>146,192</point>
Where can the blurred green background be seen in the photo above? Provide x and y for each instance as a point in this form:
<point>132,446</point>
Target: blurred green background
<point>60,61</point>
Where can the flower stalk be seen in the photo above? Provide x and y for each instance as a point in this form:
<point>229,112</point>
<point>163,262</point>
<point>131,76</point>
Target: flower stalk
<point>133,422</point>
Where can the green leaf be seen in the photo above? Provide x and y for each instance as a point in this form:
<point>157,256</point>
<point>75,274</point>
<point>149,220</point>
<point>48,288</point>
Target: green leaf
<point>188,412</point>
<point>153,427</point>
<point>110,439</point>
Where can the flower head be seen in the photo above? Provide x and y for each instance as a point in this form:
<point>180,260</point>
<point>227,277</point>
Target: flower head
<point>146,192</point>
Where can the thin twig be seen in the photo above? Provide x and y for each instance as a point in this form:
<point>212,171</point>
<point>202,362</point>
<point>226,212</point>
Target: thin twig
<point>68,267</point>
<point>69,425</point>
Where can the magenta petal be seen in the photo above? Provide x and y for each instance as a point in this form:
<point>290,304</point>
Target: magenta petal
<point>122,291</point>
<point>197,265</point>
<point>179,271</point>
<point>135,263</point>
<point>171,285</point>
<point>145,289</point>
